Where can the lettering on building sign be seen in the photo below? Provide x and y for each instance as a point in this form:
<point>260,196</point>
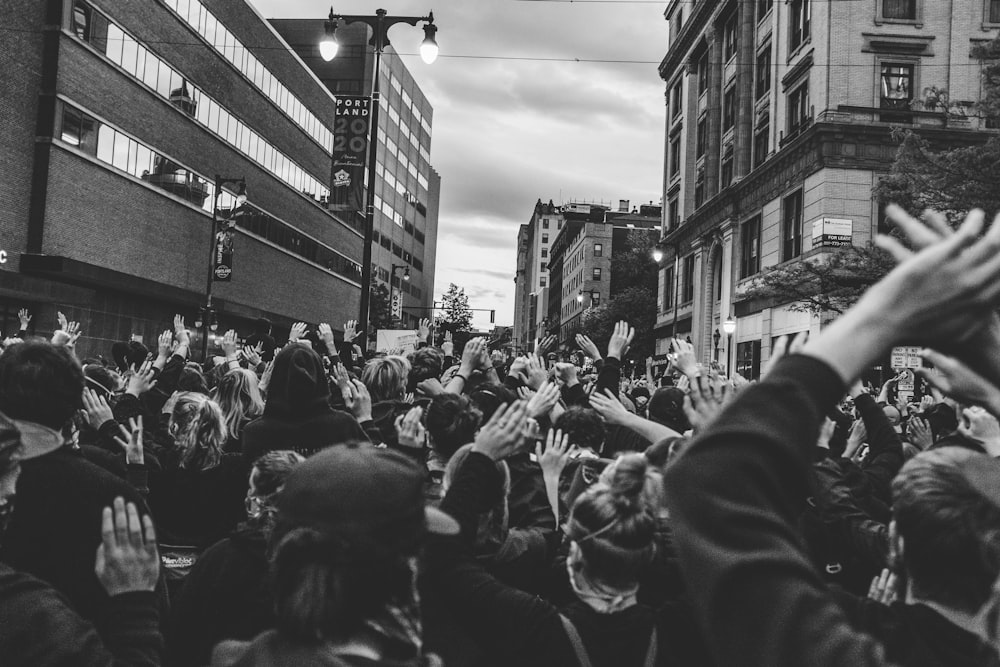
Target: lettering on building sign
<point>3,256</point>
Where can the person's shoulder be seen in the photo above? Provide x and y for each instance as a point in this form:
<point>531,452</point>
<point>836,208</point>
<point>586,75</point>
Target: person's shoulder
<point>25,597</point>
<point>74,471</point>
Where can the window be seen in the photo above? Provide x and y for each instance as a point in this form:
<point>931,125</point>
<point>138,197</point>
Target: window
<point>800,15</point>
<point>994,11</point>
<point>598,250</point>
<point>726,169</point>
<point>703,74</point>
<point>748,359</point>
<point>729,109</point>
<point>668,288</point>
<point>763,7</point>
<point>699,188</point>
<point>545,252</point>
<point>701,137</point>
<point>798,108</point>
<point>763,79</point>
<point>542,282</point>
<point>597,273</point>
<point>899,9</point>
<point>761,144</point>
<point>729,39</point>
<point>545,223</point>
<point>673,212</point>
<point>545,238</point>
<point>791,226</point>
<point>897,85</point>
<point>677,99</point>
<point>750,247</point>
<point>595,299</point>
<point>687,271</point>
<point>544,267</point>
<point>675,156</point>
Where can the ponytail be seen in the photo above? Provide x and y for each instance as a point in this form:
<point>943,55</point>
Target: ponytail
<point>199,431</point>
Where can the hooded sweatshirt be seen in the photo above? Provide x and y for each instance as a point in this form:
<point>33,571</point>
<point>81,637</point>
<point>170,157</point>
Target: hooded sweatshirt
<point>297,414</point>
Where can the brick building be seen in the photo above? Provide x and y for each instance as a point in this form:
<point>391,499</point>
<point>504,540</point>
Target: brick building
<point>531,283</point>
<point>407,189</point>
<point>115,120</point>
<point>779,118</point>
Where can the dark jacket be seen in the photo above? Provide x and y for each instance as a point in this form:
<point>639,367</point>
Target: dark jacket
<point>39,628</point>
<point>270,649</point>
<point>297,414</point>
<point>735,496</point>
<point>56,528</point>
<point>494,614</point>
<point>226,596</point>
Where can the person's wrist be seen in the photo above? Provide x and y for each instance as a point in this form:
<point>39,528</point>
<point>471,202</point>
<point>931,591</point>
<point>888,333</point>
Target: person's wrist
<point>484,449</point>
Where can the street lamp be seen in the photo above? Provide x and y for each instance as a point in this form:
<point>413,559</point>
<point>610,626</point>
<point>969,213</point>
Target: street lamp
<point>380,24</point>
<point>658,253</point>
<point>729,326</point>
<point>217,242</point>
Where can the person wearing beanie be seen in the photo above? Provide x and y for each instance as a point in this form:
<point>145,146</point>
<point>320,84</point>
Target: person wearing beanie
<point>297,414</point>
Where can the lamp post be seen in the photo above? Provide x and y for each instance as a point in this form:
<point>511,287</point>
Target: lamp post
<point>715,340</point>
<point>396,296</point>
<point>380,24</point>
<point>729,326</point>
<point>215,240</point>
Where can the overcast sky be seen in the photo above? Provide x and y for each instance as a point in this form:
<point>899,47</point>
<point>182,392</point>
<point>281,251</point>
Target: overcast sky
<point>514,123</point>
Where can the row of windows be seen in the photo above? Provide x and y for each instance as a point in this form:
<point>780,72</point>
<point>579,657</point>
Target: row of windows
<point>407,102</point>
<point>215,33</point>
<point>124,153</point>
<point>409,288</point>
<point>141,63</point>
<point>386,242</point>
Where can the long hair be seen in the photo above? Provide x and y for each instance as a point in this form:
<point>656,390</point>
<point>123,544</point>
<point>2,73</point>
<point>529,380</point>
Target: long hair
<point>268,474</point>
<point>238,395</point>
<point>199,431</point>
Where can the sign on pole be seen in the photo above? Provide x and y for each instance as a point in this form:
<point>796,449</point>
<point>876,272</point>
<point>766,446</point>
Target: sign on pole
<point>906,357</point>
<point>350,152</point>
<point>396,341</point>
<point>832,232</point>
<point>222,258</point>
<point>397,304</point>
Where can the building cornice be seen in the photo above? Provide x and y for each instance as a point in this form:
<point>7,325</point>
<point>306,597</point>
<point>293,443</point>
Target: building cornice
<point>689,34</point>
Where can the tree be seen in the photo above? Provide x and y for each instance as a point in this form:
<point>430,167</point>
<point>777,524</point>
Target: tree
<point>632,265</point>
<point>379,307</point>
<point>637,306</point>
<point>457,316</point>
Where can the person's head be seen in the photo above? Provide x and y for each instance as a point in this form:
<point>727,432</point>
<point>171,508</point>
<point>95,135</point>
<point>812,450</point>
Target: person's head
<point>494,524</point>
<point>652,494</point>
<point>425,364</point>
<point>489,397</point>
<point>238,395</point>
<point>942,420</point>
<point>193,380</point>
<point>611,528</point>
<point>101,380</point>
<point>40,383</point>
<point>298,383</point>
<point>386,377</point>
<point>452,420</point>
<point>262,326</point>
<point>584,426</point>
<point>267,477</point>
<point>350,523</point>
<point>666,406</point>
<point>198,429</point>
<point>946,526</point>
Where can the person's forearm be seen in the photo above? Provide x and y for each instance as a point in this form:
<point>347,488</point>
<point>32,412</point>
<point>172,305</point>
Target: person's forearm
<point>650,430</point>
<point>610,376</point>
<point>851,343</point>
<point>552,493</point>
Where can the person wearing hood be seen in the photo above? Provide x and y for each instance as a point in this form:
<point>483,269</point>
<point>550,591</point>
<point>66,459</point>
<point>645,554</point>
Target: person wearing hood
<point>297,414</point>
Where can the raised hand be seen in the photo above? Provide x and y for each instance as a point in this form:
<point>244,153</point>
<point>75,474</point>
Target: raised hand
<point>265,377</point>
<point>953,378</point>
<point>351,331</point>
<point>448,344</point>
<point>884,587</point>
<point>63,322</point>
<point>430,387</point>
<point>504,433</point>
<point>855,439</point>
<point>704,402</point>
<point>980,426</point>
<point>588,346</point>
<point>542,402</point>
<point>534,373</point>
<point>297,331</point>
<point>141,381</point>
<point>67,335</point>
<point>253,354</point>
<point>544,345</point>
<point>684,360</point>
<point>360,402</point>
<point>567,374</point>
<point>621,338</point>
<point>164,345</point>
<point>424,329</point>
<point>919,431</point>
<point>472,355</point>
<point>131,443</point>
<point>609,407</point>
<point>127,559</point>
<point>97,408</point>
<point>182,335</point>
<point>230,344</point>
<point>326,336</point>
<point>410,432</point>
<point>554,454</point>
<point>24,317</point>
<point>785,345</point>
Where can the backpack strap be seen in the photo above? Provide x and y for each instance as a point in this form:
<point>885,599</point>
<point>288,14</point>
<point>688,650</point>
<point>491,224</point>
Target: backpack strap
<point>652,650</point>
<point>575,641</point>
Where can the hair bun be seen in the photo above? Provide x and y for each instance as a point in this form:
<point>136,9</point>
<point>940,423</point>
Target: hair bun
<point>629,479</point>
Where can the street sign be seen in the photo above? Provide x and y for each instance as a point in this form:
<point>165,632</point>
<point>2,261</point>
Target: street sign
<point>906,357</point>
<point>397,304</point>
<point>906,381</point>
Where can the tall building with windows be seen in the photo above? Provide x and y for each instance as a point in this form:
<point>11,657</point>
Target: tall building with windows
<point>115,121</point>
<point>407,188</point>
<point>779,120</point>
<point>532,285</point>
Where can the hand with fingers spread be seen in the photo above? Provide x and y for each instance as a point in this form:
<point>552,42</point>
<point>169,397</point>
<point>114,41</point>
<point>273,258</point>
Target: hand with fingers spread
<point>127,559</point>
<point>544,345</point>
<point>609,407</point>
<point>97,409</point>
<point>685,361</point>
<point>683,383</point>
<point>884,587</point>
<point>340,375</point>
<point>704,401</point>
<point>25,318</point>
<point>131,442</point>
<point>67,335</point>
<point>410,432</point>
<point>533,375</point>
<point>351,331</point>
<point>525,393</point>
<point>253,355</point>
<point>448,344</point>
<point>141,381</point>
<point>786,345</point>
<point>265,377</point>
<point>554,454</point>
<point>472,356</point>
<point>955,379</point>
<point>543,400</point>
<point>182,336</point>
<point>918,430</point>
<point>325,333</point>
<point>164,348</point>
<point>588,346</point>
<point>360,403</point>
<point>503,434</point>
<point>980,426</point>
<point>855,439</point>
<point>297,331</point>
<point>621,338</point>
<point>424,329</point>
<point>230,345</point>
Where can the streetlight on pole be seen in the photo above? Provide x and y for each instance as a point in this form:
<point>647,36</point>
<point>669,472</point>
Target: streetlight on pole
<point>729,326</point>
<point>380,24</point>
<point>217,242</point>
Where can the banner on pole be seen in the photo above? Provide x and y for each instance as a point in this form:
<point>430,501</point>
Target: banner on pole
<point>397,303</point>
<point>222,258</point>
<point>350,152</point>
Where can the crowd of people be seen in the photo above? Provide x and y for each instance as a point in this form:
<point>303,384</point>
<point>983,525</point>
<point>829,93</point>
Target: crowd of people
<point>303,504</point>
